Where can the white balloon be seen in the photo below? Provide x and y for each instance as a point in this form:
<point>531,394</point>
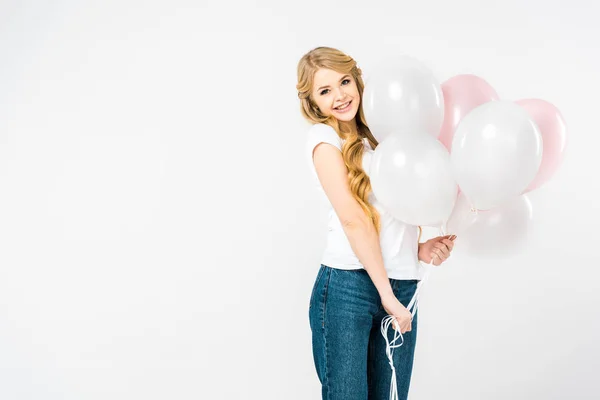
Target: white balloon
<point>461,218</point>
<point>499,232</point>
<point>411,177</point>
<point>403,96</point>
<point>496,153</point>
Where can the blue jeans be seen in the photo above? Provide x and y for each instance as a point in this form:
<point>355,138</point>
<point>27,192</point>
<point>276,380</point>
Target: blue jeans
<point>345,314</point>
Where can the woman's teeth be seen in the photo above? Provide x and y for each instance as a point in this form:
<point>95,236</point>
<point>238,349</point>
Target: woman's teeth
<point>343,107</point>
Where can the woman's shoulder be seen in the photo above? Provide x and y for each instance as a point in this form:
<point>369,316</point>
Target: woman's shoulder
<point>322,129</point>
<point>323,132</point>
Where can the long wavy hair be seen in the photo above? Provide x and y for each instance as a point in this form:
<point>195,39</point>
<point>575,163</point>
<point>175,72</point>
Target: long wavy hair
<point>353,148</point>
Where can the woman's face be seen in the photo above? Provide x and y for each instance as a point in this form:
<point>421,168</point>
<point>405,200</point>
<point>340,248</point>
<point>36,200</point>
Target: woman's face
<point>336,94</point>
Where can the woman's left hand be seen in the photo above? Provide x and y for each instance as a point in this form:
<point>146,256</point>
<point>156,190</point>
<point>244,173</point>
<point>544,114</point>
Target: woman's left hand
<point>438,249</point>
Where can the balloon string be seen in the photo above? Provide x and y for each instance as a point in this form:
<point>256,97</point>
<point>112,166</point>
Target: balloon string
<point>389,349</point>
<point>390,319</point>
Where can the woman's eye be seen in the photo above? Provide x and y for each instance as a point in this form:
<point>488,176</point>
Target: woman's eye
<point>325,90</point>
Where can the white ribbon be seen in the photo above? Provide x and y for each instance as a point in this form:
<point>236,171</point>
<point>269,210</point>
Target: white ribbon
<point>390,319</point>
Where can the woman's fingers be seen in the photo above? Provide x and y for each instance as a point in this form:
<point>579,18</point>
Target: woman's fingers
<point>405,327</point>
<point>449,244</point>
<point>438,255</point>
<point>443,250</point>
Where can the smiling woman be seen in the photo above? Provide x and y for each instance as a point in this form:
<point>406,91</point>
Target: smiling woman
<point>370,265</point>
<point>337,100</point>
<point>328,78</point>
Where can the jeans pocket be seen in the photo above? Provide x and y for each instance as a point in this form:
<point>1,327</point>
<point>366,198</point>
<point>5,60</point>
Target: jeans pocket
<point>405,290</point>
<point>314,289</point>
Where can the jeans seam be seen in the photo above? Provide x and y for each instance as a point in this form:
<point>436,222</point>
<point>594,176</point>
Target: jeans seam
<point>325,288</point>
<point>370,350</point>
<point>326,372</point>
<point>327,358</point>
<point>312,295</point>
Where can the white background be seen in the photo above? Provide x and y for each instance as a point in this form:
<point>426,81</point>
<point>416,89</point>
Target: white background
<point>159,235</point>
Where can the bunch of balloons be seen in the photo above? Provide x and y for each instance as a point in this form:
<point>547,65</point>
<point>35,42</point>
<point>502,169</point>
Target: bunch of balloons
<point>455,155</point>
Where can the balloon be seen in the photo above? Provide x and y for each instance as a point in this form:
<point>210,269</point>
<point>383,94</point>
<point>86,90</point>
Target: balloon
<point>501,231</point>
<point>554,136</point>
<point>461,218</point>
<point>462,93</point>
<point>496,153</point>
<point>412,179</point>
<point>401,95</point>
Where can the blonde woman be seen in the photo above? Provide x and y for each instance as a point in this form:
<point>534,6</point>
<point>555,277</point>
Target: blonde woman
<point>370,265</point>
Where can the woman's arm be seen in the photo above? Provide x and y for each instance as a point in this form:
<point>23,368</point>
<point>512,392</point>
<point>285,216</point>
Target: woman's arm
<point>359,229</point>
<point>364,241</point>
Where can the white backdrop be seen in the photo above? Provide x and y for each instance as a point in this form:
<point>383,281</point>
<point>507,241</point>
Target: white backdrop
<point>159,236</point>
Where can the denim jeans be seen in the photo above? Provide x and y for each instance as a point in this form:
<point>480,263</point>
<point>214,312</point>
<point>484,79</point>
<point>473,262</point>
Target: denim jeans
<point>349,352</point>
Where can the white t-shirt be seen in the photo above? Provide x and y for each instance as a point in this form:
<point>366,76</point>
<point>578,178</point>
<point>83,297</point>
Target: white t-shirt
<point>398,240</point>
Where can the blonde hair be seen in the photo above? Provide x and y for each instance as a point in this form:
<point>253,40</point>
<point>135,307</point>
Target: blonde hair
<point>353,148</point>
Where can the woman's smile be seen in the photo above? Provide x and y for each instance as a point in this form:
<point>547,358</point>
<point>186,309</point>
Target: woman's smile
<point>343,108</point>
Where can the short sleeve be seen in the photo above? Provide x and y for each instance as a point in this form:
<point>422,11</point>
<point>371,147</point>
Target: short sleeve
<point>320,133</point>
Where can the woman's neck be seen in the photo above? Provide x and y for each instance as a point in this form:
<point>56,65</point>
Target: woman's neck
<point>349,125</point>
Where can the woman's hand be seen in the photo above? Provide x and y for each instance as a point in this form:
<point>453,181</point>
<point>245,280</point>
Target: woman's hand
<point>438,249</point>
<point>393,307</point>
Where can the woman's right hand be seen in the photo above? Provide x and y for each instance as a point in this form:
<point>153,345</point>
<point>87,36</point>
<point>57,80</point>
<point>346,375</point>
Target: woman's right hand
<point>393,307</point>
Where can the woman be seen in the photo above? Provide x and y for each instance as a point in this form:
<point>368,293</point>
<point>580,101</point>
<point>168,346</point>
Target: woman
<point>370,265</point>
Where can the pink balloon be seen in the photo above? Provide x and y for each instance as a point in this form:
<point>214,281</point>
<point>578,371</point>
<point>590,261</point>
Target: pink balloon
<point>554,136</point>
<point>462,93</point>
